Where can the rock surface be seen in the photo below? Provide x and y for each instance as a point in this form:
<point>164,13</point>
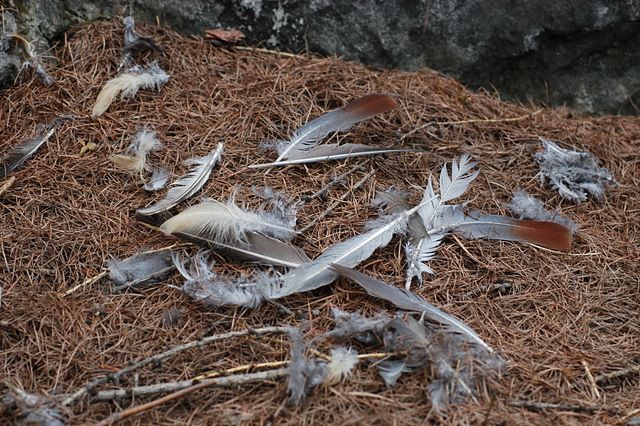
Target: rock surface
<point>583,54</point>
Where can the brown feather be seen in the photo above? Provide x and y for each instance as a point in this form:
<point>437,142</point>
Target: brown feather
<point>370,105</point>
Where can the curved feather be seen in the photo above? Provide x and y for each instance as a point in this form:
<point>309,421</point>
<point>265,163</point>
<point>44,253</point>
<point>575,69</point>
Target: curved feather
<point>340,119</point>
<point>331,152</point>
<point>188,184</point>
<point>226,222</point>
<point>22,152</point>
<point>407,300</point>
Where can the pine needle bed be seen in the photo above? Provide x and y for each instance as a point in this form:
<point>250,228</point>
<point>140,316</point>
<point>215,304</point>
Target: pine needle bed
<point>565,323</point>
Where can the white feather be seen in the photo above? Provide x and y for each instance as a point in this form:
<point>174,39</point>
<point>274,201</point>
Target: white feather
<point>341,365</point>
<point>226,222</point>
<point>159,179</point>
<point>128,83</point>
<point>188,184</point>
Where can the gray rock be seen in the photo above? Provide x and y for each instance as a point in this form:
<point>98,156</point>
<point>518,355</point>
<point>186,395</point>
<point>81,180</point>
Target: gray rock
<point>583,54</point>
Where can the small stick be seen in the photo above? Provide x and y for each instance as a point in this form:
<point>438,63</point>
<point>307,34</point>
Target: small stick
<point>541,406</point>
<point>500,286</point>
<point>8,184</point>
<point>334,181</point>
<point>159,357</point>
<point>476,120</point>
<point>271,52</point>
<point>184,388</point>
<point>592,382</point>
<point>87,282</point>
<point>338,201</point>
<point>246,367</point>
<point>603,378</point>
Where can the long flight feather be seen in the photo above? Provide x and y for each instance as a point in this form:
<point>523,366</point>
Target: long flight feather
<point>332,152</point>
<point>188,184</point>
<point>340,119</point>
<point>226,222</point>
<point>348,253</point>
<point>128,83</point>
<point>407,300</point>
<point>547,234</point>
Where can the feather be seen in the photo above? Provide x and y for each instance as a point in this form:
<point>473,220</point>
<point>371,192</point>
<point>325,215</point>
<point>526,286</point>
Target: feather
<point>226,222</point>
<point>546,234</point>
<point>22,152</point>
<point>574,174</point>
<point>135,160</point>
<point>341,365</point>
<point>338,120</point>
<point>332,152</point>
<point>405,299</point>
<point>205,286</point>
<point>33,60</point>
<point>128,83</point>
<point>391,370</point>
<point>304,373</point>
<point>394,201</point>
<point>139,269</point>
<point>187,185</point>
<point>159,179</point>
<point>352,324</point>
<point>526,206</point>
<point>33,409</point>
<point>133,43</point>
<point>281,206</point>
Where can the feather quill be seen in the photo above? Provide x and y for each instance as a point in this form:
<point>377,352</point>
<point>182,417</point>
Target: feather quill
<point>348,253</point>
<point>187,185</point>
<point>128,84</point>
<point>338,120</point>
<point>407,300</point>
<point>226,222</point>
<point>546,234</point>
<point>332,152</point>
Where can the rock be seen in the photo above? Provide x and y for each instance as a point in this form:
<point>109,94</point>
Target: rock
<point>580,54</point>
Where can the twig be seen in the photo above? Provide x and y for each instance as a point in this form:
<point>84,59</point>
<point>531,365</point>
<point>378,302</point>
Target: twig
<point>592,382</point>
<point>181,389</point>
<point>8,184</point>
<point>87,282</point>
<point>603,378</point>
<point>500,286</point>
<point>240,368</point>
<point>338,201</point>
<point>541,406</point>
<point>334,181</point>
<point>271,52</point>
<point>475,120</point>
<point>159,357</point>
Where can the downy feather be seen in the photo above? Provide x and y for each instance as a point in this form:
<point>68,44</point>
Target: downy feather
<point>575,174</point>
<point>226,222</point>
<point>22,152</point>
<point>343,361</point>
<point>35,410</point>
<point>391,370</point>
<point>340,119</point>
<point>128,83</point>
<point>158,180</point>
<point>187,185</point>
<point>407,300</point>
<point>135,160</point>
<point>304,373</point>
<point>526,206</point>
<point>331,152</point>
<point>352,324</point>
<point>205,286</point>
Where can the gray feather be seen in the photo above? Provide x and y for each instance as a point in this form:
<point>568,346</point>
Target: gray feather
<point>139,269</point>
<point>526,206</point>
<point>19,154</point>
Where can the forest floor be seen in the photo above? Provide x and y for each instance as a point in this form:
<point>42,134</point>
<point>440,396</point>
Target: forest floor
<point>564,324</point>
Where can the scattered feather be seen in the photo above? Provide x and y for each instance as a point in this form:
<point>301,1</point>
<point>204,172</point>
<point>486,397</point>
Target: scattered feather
<point>353,325</point>
<point>227,222</point>
<point>338,120</point>
<point>526,206</point>
<point>141,269</point>
<point>390,370</point>
<point>19,154</point>
<point>187,185</point>
<point>133,43</point>
<point>128,83</point>
<point>281,206</point>
<point>332,152</point>
<point>32,409</point>
<point>171,317</point>
<point>343,361</point>
<point>135,160</point>
<point>33,60</point>
<point>409,301</point>
<point>575,174</point>
<point>159,179</point>
<point>304,373</point>
<point>205,286</point>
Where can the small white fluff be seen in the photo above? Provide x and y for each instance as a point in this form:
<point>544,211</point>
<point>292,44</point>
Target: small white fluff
<point>159,179</point>
<point>343,361</point>
<point>135,160</point>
